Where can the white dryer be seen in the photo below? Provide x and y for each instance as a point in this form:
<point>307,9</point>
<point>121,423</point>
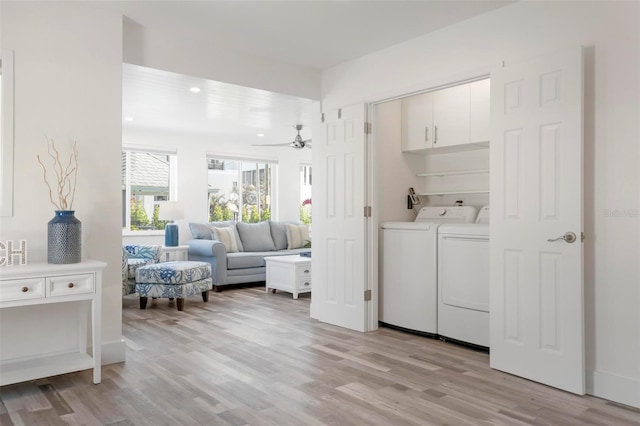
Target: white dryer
<point>463,281</point>
<point>408,277</point>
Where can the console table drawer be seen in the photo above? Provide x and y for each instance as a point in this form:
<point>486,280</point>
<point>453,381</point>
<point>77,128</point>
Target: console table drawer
<point>22,289</point>
<point>303,283</point>
<point>69,285</point>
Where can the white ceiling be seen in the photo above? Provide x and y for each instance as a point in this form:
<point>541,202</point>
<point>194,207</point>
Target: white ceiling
<point>161,100</point>
<point>314,34</point>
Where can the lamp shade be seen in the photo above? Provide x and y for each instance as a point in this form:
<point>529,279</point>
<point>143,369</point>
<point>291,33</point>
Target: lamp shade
<point>170,210</point>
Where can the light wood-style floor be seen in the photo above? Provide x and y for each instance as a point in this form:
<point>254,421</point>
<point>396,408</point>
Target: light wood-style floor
<point>251,357</point>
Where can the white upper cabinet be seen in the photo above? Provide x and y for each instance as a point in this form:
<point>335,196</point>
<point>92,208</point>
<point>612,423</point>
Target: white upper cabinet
<point>454,116</point>
<point>451,116</point>
<point>417,122</point>
<point>479,106</point>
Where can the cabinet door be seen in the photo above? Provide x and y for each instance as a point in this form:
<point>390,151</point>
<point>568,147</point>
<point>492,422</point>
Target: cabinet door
<point>417,122</point>
<point>451,116</point>
<point>479,118</point>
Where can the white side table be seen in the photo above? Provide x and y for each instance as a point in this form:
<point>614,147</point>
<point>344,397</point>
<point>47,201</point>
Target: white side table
<point>288,273</point>
<point>42,284</point>
<point>175,253</point>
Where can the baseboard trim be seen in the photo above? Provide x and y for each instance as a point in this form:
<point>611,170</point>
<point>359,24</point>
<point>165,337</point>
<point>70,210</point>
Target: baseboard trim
<point>113,352</point>
<point>614,388</point>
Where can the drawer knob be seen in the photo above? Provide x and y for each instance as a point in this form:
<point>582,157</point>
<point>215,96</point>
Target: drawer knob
<point>25,289</point>
<point>307,283</point>
<point>306,271</point>
<point>70,285</point>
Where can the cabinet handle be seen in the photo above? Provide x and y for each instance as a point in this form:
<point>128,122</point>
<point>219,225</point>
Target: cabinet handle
<point>307,283</point>
<point>70,285</point>
<point>426,134</point>
<point>306,271</point>
<point>435,134</point>
<point>25,289</point>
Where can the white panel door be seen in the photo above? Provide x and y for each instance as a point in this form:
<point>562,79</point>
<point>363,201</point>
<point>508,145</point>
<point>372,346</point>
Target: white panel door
<point>338,261</point>
<point>536,302</point>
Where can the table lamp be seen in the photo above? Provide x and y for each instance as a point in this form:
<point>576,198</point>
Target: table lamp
<point>171,211</point>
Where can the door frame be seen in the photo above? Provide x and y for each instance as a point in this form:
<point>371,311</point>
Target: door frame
<point>371,171</point>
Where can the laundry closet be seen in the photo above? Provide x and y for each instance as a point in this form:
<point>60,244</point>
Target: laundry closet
<point>434,245</point>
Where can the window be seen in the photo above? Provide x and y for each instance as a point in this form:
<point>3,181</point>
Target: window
<point>305,194</point>
<point>147,177</point>
<point>239,190</point>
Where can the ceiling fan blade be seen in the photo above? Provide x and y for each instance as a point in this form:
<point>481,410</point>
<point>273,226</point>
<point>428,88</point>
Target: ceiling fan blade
<point>273,144</point>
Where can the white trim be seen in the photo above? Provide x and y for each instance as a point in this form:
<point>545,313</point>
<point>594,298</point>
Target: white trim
<point>614,388</point>
<point>142,233</point>
<point>239,157</point>
<point>7,137</point>
<point>113,352</point>
<point>150,149</point>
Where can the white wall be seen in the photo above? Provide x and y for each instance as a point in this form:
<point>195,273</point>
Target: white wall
<point>190,56</point>
<point>192,153</point>
<point>395,172</point>
<point>610,33</point>
<point>68,86</point>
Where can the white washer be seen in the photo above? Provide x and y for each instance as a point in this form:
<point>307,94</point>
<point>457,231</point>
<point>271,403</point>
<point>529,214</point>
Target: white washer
<point>408,280</point>
<point>463,281</point>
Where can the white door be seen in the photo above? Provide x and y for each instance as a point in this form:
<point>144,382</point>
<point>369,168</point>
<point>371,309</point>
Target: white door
<point>338,260</point>
<point>536,302</point>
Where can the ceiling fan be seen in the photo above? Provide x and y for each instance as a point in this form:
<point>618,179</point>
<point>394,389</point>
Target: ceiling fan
<point>297,143</point>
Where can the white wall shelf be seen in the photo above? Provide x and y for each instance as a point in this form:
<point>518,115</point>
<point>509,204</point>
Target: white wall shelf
<point>471,191</point>
<point>454,173</point>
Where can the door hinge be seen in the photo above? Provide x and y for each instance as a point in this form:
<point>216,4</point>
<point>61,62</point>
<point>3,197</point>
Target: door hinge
<point>322,117</point>
<point>367,211</point>
<point>582,237</point>
<point>339,114</point>
<point>367,128</point>
<point>367,295</point>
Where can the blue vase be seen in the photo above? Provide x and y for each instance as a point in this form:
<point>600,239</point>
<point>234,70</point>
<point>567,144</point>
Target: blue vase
<point>64,238</point>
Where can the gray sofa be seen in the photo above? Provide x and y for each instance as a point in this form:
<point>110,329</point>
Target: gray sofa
<point>253,241</point>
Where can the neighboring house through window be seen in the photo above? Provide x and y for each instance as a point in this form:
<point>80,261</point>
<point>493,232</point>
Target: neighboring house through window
<point>148,176</point>
<point>240,189</point>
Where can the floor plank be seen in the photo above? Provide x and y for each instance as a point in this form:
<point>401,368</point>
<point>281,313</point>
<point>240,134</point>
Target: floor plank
<point>248,357</point>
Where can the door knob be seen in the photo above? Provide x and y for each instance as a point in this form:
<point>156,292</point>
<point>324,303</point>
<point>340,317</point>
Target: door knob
<point>568,237</point>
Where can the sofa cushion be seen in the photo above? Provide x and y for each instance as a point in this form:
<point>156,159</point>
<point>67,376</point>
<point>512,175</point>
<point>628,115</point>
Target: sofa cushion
<point>256,236</point>
<point>279,233</point>
<point>245,259</point>
<point>297,236</point>
<point>204,231</point>
<point>227,236</point>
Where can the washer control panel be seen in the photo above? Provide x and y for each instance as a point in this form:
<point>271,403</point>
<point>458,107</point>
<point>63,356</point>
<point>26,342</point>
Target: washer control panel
<point>455,214</point>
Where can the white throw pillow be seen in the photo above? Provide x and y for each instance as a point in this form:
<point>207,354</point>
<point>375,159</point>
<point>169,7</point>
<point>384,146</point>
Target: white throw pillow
<point>297,236</point>
<point>226,236</point>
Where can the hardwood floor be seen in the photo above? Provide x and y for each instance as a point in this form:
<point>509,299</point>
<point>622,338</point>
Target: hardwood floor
<point>251,357</point>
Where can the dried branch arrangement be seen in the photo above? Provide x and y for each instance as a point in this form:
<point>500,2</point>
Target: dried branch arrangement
<point>65,176</point>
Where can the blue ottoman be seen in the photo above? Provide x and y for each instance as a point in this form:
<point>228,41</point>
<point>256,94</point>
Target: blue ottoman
<point>173,280</point>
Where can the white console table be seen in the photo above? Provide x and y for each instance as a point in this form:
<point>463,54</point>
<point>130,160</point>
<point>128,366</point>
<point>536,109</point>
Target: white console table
<point>41,284</point>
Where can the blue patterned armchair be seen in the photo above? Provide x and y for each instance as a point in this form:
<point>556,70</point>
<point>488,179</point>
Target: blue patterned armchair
<point>133,257</point>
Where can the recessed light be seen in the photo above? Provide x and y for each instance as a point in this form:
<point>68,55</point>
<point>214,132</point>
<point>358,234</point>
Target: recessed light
<point>260,135</point>
<point>128,119</point>
<point>195,89</point>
